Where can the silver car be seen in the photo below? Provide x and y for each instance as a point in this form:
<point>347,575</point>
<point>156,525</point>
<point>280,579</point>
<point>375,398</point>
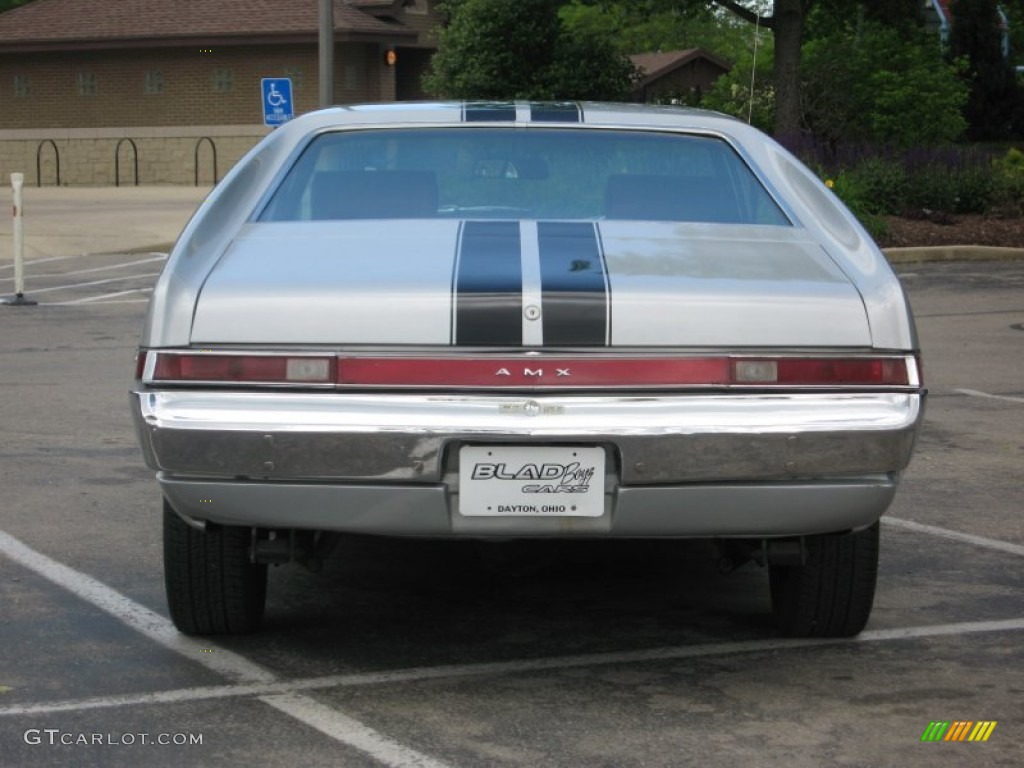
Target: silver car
<point>521,321</point>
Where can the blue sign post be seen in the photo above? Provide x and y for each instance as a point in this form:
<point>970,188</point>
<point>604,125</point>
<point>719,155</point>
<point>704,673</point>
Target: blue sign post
<point>277,100</point>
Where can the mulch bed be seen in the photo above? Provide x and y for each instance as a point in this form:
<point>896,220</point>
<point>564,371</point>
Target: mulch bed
<point>953,230</point>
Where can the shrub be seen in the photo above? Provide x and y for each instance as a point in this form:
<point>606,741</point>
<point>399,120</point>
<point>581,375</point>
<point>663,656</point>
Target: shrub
<point>868,83</point>
<point>881,183</point>
<point>953,179</point>
<point>1008,180</point>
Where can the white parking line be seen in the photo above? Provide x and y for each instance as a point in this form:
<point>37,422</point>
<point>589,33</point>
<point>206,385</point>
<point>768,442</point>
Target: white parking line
<point>118,301</point>
<point>138,617</point>
<point>498,668</point>
<point>946,533</point>
<point>91,269</point>
<point>101,298</point>
<point>46,260</point>
<point>251,679</point>
<point>349,731</point>
<point>36,291</point>
<point>220,660</point>
<point>976,393</point>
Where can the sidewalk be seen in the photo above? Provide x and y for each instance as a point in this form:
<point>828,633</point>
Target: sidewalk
<point>70,221</point>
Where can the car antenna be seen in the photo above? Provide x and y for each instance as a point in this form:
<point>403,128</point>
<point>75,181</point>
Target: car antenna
<point>753,66</point>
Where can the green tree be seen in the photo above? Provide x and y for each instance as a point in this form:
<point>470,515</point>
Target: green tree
<point>870,84</point>
<point>6,5</point>
<point>643,27</point>
<point>747,91</point>
<point>495,49</point>
<point>787,21</point>
<point>995,99</point>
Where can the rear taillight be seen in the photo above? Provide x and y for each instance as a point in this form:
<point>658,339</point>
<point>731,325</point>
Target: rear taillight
<point>823,372</point>
<point>526,372</point>
<point>243,369</point>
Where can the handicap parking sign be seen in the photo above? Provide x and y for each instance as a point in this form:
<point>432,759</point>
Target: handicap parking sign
<point>277,100</point>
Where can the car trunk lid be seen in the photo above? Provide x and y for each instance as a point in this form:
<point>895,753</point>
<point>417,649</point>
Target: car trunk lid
<point>528,284</point>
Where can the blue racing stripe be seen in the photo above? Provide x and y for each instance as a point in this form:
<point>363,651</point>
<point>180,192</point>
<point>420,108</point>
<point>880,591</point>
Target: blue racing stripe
<point>556,112</point>
<point>488,112</point>
<point>489,285</point>
<point>574,285</point>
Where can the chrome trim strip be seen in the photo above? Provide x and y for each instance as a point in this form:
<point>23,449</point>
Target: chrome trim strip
<point>658,439</point>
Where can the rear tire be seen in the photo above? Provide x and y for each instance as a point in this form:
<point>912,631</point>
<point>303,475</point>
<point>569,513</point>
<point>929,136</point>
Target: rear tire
<point>212,586</point>
<point>831,594</point>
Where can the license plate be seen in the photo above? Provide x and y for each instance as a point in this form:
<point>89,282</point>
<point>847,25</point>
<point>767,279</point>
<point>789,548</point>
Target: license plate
<point>527,481</point>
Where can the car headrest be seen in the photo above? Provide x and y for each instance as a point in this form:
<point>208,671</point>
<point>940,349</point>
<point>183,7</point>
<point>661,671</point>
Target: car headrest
<point>374,195</point>
<point>649,197</point>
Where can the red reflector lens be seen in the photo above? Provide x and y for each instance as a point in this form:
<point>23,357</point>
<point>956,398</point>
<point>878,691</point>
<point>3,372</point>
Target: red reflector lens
<point>843,372</point>
<point>244,368</point>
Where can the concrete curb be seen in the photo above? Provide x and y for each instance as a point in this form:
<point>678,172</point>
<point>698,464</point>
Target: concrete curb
<point>951,253</point>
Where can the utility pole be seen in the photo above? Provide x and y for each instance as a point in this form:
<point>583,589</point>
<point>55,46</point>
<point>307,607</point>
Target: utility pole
<point>326,53</point>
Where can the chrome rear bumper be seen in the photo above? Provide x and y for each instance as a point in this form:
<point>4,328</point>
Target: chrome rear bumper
<point>694,464</point>
<point>396,438</point>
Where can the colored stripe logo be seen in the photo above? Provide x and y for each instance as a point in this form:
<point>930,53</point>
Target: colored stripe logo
<point>958,730</point>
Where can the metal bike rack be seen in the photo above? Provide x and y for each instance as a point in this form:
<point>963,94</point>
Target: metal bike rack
<point>213,149</point>
<point>39,160</point>
<point>117,161</point>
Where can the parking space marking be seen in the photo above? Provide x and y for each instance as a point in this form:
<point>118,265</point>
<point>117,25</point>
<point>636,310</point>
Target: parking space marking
<point>47,259</point>
<point>91,270</point>
<point>101,299</point>
<point>946,533</point>
<point>36,291</point>
<point>499,668</point>
<point>222,661</point>
<point>976,393</point>
<point>138,617</point>
<point>343,728</point>
<point>250,679</point>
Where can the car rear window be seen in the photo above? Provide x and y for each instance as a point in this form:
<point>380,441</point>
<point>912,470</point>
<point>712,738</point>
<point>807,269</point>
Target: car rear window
<point>503,173</point>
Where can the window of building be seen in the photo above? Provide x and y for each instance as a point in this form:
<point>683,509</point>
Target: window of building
<point>223,80</point>
<point>418,7</point>
<point>154,82</point>
<point>86,84</point>
<point>22,85</point>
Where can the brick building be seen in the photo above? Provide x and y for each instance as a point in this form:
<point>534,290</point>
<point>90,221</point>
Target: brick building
<point>80,76</point>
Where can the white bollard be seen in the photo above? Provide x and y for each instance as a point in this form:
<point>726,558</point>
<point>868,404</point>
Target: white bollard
<point>17,182</point>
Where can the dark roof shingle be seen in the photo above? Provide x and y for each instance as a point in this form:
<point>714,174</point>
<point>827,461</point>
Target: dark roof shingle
<point>654,65</point>
<point>56,23</point>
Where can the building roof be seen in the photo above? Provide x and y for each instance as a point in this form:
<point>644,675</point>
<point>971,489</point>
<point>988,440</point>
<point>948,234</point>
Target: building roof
<point>76,24</point>
<point>655,65</point>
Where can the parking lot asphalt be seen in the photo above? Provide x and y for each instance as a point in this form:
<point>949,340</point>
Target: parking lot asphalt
<point>412,653</point>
